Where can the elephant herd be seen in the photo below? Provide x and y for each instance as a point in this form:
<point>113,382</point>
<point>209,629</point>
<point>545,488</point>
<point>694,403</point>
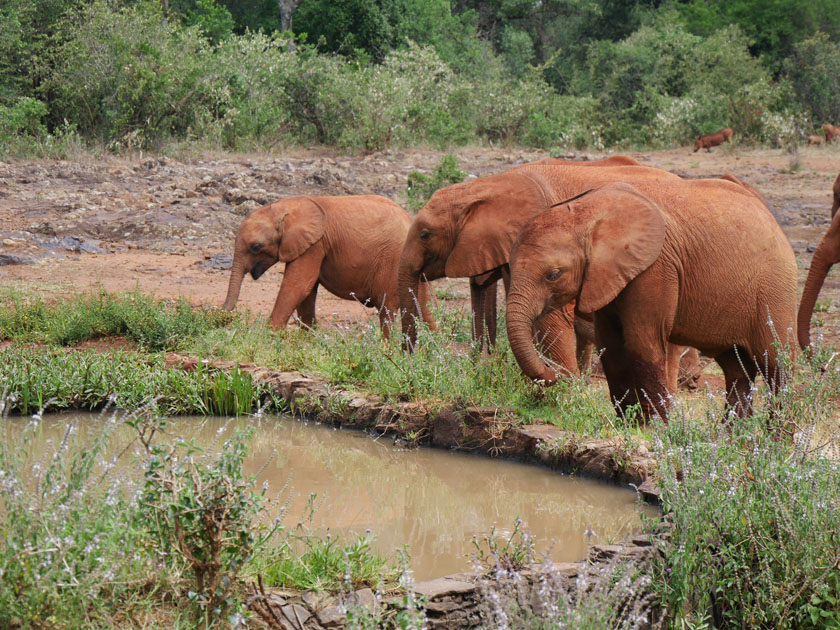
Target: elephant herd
<point>633,259</point>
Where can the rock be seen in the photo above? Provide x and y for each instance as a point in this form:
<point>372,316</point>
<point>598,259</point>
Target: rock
<point>216,261</point>
<point>811,248</point>
<point>238,196</point>
<point>366,599</point>
<point>10,259</point>
<point>314,600</point>
<point>246,207</point>
<point>73,244</point>
<point>442,587</point>
<point>603,552</point>
<point>296,615</point>
<point>331,617</point>
<point>443,607</point>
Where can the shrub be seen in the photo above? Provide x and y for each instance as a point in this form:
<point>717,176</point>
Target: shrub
<point>814,72</point>
<point>421,187</point>
<point>23,118</point>
<point>664,85</point>
<point>754,526</point>
<point>203,510</point>
<point>71,546</point>
<point>129,77</point>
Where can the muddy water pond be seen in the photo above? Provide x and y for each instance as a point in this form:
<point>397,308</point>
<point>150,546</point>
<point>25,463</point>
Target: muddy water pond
<point>433,501</point>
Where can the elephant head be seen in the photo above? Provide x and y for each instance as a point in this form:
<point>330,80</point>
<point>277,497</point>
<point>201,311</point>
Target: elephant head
<point>586,249</point>
<point>280,232</point>
<point>465,230</point>
<point>826,255</point>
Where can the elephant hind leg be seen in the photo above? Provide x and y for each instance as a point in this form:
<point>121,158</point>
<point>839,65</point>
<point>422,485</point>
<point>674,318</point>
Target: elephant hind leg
<point>739,370</point>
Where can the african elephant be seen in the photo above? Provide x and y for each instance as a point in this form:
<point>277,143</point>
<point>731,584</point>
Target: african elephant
<point>700,263</point>
<point>713,139</point>
<point>826,255</point>
<point>466,230</point>
<point>831,132</point>
<point>814,139</point>
<point>350,245</point>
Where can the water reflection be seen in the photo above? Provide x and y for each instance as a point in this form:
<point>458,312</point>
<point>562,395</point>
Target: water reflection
<point>434,501</point>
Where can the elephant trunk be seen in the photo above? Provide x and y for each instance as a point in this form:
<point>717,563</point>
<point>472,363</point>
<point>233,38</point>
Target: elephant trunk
<point>521,315</point>
<point>237,273</point>
<point>820,265</point>
<point>408,281</point>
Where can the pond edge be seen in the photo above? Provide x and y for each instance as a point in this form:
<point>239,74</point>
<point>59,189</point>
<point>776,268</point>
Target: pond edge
<point>453,601</point>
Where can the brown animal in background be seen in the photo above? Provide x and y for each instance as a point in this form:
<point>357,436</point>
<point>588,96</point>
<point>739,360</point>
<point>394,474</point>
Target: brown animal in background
<point>713,139</point>
<point>831,132</point>
<point>351,245</point>
<point>825,257</point>
<point>815,140</point>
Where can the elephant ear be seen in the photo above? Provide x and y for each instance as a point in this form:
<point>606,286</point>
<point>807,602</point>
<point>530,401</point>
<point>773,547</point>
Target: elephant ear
<point>304,221</point>
<point>494,212</point>
<point>626,235</point>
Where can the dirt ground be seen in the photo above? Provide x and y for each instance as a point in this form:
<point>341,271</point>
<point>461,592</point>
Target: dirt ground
<point>166,226</point>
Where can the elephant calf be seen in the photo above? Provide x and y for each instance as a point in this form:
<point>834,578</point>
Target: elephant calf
<point>713,139</point>
<point>350,245</point>
<point>700,263</point>
<point>831,132</point>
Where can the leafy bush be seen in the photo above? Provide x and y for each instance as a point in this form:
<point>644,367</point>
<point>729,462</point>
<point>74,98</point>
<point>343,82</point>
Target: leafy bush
<point>71,546</point>
<point>421,187</point>
<point>90,380</point>
<point>754,540</point>
<point>203,510</point>
<point>23,118</point>
<point>814,73</point>
<point>665,85</point>
<point>129,77</point>
<point>154,325</point>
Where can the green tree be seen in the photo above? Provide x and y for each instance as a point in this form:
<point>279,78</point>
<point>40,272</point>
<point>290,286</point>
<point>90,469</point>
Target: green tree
<point>774,27</point>
<point>214,20</point>
<point>814,73</point>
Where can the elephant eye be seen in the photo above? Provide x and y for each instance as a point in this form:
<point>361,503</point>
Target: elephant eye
<point>554,274</point>
<point>425,235</point>
<point>255,248</point>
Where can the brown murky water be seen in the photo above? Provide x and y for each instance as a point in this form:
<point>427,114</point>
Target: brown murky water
<point>431,500</point>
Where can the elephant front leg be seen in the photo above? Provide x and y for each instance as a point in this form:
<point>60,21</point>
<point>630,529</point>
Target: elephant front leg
<point>483,299</point>
<point>306,309</point>
<point>299,286</point>
<point>635,371</point>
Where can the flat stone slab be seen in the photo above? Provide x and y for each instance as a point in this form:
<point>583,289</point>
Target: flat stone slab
<point>441,587</point>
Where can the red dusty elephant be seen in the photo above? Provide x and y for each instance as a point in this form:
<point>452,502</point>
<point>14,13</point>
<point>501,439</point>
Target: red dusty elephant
<point>350,245</point>
<point>713,139</point>
<point>701,263</point>
<point>466,230</point>
<point>826,255</point>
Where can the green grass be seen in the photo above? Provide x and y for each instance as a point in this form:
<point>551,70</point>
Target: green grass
<point>86,379</point>
<point>310,563</point>
<point>154,325</point>
<point>444,371</point>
